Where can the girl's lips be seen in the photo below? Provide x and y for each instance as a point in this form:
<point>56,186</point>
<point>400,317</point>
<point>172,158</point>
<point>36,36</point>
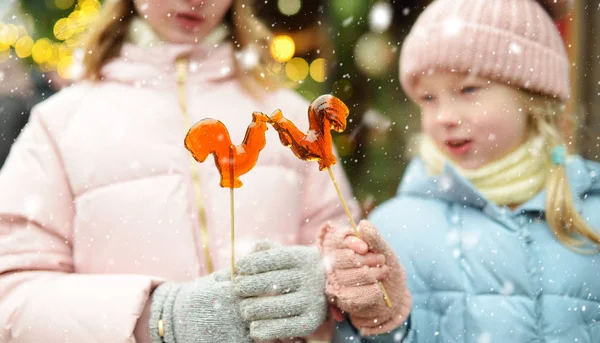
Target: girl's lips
<point>188,20</point>
<point>459,146</point>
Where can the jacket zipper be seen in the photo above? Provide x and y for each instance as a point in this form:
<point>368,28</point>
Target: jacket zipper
<point>181,68</point>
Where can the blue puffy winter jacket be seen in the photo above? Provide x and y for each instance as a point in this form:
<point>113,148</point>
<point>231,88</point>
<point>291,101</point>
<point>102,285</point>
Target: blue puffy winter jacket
<point>480,273</point>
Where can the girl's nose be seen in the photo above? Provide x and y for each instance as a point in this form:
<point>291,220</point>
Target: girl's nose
<point>448,117</point>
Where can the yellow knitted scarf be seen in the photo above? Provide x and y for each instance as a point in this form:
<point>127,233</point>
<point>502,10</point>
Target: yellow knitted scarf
<point>513,179</point>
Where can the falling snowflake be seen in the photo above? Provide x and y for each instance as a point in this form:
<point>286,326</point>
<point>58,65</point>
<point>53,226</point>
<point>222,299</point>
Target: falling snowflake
<point>470,240</point>
<point>456,253</point>
<point>347,21</point>
<point>224,71</point>
<point>452,27</point>
<point>311,136</point>
<point>445,184</point>
<point>485,338</point>
<point>248,58</point>
<point>375,120</point>
<point>515,49</point>
<point>452,237</point>
<point>398,336</point>
<point>380,17</point>
<point>32,205</point>
<point>327,263</point>
<point>508,288</point>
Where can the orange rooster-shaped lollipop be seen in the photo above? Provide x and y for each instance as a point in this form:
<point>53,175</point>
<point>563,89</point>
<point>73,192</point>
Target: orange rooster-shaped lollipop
<point>325,113</point>
<point>210,136</point>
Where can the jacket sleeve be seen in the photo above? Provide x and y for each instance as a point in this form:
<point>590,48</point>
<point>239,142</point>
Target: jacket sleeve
<point>322,203</point>
<point>42,298</point>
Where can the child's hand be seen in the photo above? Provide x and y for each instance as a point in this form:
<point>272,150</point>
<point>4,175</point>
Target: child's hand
<point>281,290</point>
<point>364,258</point>
<point>354,268</point>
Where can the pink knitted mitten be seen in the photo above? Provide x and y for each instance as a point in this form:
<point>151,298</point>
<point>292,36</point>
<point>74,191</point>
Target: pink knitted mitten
<point>355,289</point>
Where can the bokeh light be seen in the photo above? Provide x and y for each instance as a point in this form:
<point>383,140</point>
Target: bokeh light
<point>23,46</point>
<point>42,51</point>
<point>373,54</point>
<point>283,48</point>
<point>289,7</point>
<point>317,70</point>
<point>9,34</point>
<point>64,4</point>
<point>296,69</point>
<point>64,51</point>
<point>63,29</point>
<point>64,67</point>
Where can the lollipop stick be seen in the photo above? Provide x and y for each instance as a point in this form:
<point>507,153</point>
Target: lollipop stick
<point>337,188</point>
<point>232,233</point>
<point>388,302</point>
<point>231,210</point>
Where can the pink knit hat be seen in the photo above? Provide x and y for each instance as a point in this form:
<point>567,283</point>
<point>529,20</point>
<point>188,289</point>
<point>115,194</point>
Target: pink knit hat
<point>509,41</point>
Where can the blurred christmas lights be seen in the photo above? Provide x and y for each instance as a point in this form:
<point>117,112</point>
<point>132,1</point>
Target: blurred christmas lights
<point>282,48</point>
<point>317,70</point>
<point>57,53</point>
<point>374,54</point>
<point>52,53</point>
<point>289,7</point>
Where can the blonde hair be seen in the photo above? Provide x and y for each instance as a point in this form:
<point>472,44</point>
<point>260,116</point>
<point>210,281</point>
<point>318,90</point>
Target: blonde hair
<point>106,36</point>
<point>248,32</point>
<point>561,215</point>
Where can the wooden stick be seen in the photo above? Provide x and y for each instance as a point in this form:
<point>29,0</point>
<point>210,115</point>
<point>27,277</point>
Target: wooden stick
<point>337,188</point>
<point>388,302</point>
<point>231,210</point>
<point>232,233</point>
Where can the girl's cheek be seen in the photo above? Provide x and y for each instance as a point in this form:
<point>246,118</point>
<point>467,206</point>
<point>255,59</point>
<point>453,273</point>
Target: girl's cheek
<point>426,122</point>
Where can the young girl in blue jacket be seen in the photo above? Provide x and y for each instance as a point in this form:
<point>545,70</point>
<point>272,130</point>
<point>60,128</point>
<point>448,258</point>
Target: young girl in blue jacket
<point>496,227</point>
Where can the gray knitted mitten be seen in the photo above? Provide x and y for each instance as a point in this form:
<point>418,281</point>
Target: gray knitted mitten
<point>201,311</point>
<point>282,291</point>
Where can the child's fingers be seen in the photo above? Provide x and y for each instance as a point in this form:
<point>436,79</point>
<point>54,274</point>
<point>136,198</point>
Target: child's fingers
<point>348,259</point>
<point>360,276</point>
<point>371,259</point>
<point>371,236</point>
<point>358,245</point>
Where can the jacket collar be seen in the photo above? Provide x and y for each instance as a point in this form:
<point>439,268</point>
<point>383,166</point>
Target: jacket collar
<point>450,186</point>
<point>144,60</point>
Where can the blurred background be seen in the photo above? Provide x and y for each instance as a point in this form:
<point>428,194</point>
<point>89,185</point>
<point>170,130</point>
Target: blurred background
<point>348,48</point>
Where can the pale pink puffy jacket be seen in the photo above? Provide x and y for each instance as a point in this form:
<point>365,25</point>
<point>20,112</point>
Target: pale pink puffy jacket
<point>97,205</point>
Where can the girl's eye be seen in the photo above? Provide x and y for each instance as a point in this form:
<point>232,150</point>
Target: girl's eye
<point>427,98</point>
<point>469,89</point>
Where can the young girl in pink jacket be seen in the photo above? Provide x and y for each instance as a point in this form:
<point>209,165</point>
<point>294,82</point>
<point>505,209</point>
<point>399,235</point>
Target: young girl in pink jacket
<point>110,232</point>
